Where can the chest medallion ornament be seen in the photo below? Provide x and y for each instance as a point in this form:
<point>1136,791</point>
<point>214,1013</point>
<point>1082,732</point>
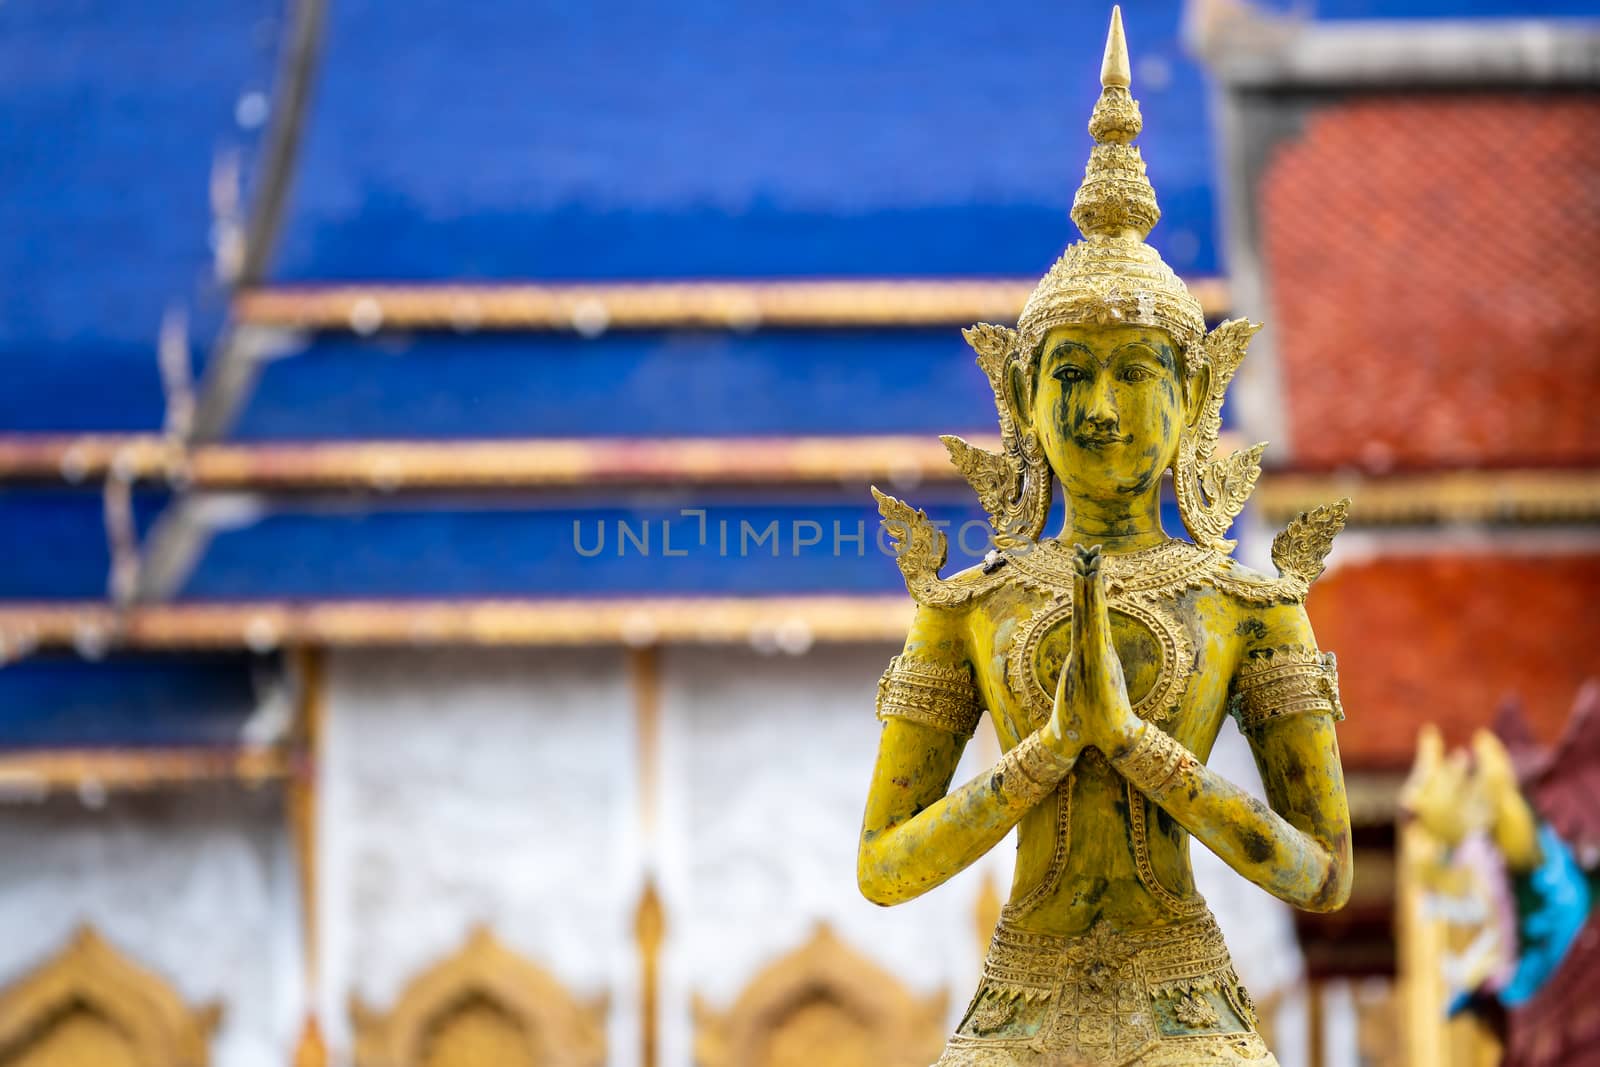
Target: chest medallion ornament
<point>1152,640</point>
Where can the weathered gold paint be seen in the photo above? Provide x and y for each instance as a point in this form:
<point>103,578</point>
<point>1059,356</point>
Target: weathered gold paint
<point>1106,385</point>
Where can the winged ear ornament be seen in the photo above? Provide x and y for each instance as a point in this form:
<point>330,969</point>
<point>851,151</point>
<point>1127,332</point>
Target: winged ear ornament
<point>1211,492</point>
<point>1013,485</point>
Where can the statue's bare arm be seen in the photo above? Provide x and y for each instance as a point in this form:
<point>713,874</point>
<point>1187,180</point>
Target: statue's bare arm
<point>1296,846</point>
<point>916,834</point>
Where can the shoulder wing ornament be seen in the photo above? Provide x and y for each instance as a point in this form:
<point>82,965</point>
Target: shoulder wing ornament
<point>1299,551</point>
<point>921,549</point>
<point>1211,492</point>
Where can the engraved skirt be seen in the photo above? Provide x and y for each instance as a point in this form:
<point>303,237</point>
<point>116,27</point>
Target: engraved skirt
<point>1158,997</point>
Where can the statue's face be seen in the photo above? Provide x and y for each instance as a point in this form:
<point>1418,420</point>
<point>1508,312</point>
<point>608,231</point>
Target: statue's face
<point>1108,405</point>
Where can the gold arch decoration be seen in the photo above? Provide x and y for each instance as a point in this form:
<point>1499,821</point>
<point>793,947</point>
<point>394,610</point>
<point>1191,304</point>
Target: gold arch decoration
<point>90,1004</point>
<point>823,1005</point>
<point>483,1005</point>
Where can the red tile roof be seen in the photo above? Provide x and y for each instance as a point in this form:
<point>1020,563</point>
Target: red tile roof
<point>1444,638</point>
<point>1434,269</point>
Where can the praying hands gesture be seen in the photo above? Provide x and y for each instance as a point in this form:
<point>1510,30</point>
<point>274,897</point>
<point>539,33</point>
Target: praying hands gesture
<point>1091,706</point>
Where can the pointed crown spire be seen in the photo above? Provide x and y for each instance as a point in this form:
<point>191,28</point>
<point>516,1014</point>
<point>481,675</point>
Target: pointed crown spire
<point>1115,198</point>
<point>1114,67</point>
<point>1112,276</point>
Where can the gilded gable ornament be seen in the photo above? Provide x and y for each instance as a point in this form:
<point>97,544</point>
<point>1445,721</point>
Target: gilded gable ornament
<point>92,1004</point>
<point>822,1005</point>
<point>484,1004</point>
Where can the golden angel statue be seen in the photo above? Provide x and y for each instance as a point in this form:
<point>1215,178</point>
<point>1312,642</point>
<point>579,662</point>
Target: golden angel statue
<point>1107,657</point>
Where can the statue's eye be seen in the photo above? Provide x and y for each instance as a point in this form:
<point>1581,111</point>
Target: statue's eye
<point>1137,374</point>
<point>1069,373</point>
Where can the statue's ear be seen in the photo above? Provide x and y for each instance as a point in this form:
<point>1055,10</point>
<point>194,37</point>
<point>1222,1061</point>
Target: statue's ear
<point>1019,390</point>
<point>1196,388</point>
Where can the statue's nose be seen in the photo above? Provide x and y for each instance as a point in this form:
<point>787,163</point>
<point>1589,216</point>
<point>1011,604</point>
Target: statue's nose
<point>1101,413</point>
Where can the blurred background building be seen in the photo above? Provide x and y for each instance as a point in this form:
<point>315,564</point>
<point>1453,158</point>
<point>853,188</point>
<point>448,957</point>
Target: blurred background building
<point>441,600</point>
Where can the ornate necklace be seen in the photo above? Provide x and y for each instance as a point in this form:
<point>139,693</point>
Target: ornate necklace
<point>1160,571</point>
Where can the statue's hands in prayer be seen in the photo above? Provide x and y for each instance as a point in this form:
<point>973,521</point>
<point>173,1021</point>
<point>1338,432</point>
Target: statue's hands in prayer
<point>1091,705</point>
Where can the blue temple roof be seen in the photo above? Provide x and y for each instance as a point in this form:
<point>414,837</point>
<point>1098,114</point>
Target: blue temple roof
<point>51,701</point>
<point>53,542</point>
<point>517,139</point>
<point>771,382</point>
<point>621,544</point>
<point>551,140</point>
<point>112,115</point>
<point>615,139</point>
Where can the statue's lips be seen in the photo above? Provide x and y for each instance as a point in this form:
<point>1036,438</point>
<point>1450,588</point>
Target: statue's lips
<point>1099,441</point>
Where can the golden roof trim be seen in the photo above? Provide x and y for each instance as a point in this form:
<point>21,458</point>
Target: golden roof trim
<point>1438,497</point>
<point>1521,495</point>
<point>593,308</point>
<point>81,458</point>
<point>130,769</point>
<point>769,623</point>
<point>1422,497</point>
<point>480,464</point>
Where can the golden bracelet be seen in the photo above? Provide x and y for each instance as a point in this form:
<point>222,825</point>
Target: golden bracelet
<point>1034,767</point>
<point>1156,764</point>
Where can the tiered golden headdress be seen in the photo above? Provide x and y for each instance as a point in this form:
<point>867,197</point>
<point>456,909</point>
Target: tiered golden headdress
<point>1110,277</point>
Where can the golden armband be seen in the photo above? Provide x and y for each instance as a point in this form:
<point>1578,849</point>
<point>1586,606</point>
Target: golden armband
<point>1157,765</point>
<point>934,694</point>
<point>1031,771</point>
<point>1291,681</point>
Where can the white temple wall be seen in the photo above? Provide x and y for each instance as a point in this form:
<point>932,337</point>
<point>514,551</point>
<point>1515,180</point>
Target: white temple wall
<point>768,758</point>
<point>467,787</point>
<point>503,787</point>
<point>197,886</point>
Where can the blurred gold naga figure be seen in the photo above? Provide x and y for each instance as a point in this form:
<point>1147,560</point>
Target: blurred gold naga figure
<point>1107,670</point>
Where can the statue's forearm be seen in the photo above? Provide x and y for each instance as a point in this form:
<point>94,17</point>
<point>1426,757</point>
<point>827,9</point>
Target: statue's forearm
<point>904,859</point>
<point>1306,869</point>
